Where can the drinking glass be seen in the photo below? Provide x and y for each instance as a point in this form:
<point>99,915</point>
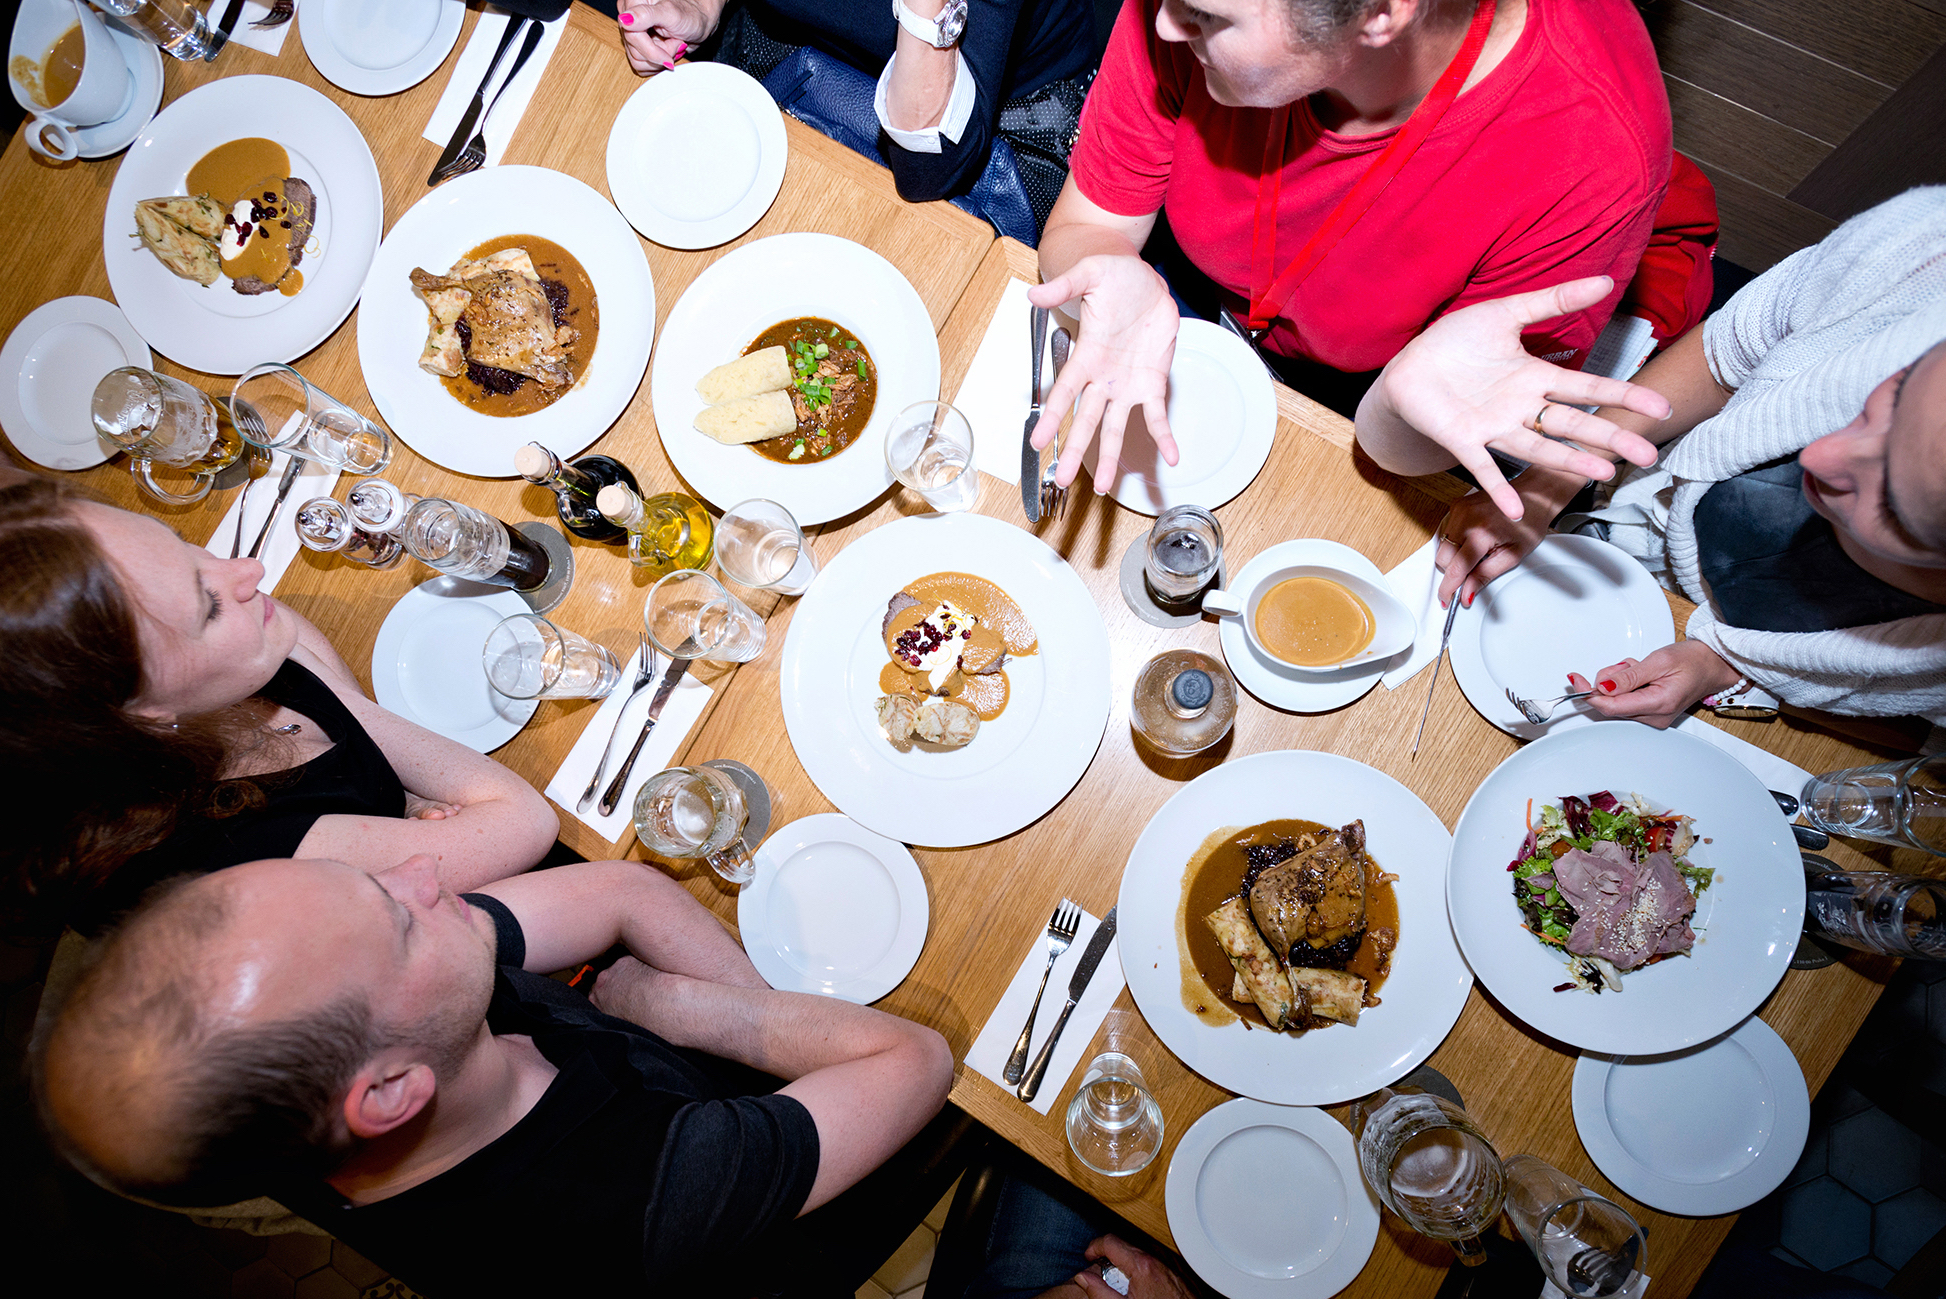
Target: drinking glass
<point>1114,1124</point>
<point>930,450</point>
<point>1185,551</point>
<point>528,657</point>
<point>160,420</point>
<point>326,526</point>
<point>1902,803</point>
<point>691,813</point>
<point>1586,1244</point>
<point>759,545</point>
<point>1431,1166</point>
<point>690,616</point>
<point>469,543</point>
<point>280,410</point>
<point>1874,911</point>
<point>178,26</point>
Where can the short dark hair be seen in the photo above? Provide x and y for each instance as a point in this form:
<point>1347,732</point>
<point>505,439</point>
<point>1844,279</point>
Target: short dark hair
<point>1319,22</point>
<point>236,1110</point>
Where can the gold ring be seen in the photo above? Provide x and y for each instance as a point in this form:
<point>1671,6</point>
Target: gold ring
<point>1539,417</point>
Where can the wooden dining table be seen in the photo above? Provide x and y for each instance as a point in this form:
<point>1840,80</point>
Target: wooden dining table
<point>989,903</point>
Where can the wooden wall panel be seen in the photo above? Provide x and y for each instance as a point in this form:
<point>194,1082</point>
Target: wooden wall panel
<point>1710,128</point>
<point>1760,229</point>
<point>1884,40</point>
<point>1901,145</point>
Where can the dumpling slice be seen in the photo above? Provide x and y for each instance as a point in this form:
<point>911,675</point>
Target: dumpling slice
<point>897,716</point>
<point>947,722</point>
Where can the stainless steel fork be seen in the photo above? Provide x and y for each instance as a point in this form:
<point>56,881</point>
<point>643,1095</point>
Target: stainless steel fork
<point>644,673</point>
<point>473,156</point>
<point>1538,712</point>
<point>1061,928</point>
<point>1054,499</point>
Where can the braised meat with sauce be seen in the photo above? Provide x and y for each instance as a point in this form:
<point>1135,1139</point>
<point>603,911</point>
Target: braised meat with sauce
<point>1315,898</point>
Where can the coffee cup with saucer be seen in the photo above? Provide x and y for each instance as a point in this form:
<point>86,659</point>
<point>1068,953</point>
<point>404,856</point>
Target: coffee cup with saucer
<point>103,92</point>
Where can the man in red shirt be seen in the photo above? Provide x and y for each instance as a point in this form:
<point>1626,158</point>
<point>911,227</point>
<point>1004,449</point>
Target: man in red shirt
<point>1548,166</point>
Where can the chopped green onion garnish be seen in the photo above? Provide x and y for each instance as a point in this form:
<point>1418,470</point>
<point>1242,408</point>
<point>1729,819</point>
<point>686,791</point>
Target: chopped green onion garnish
<point>822,349</point>
<point>861,371</point>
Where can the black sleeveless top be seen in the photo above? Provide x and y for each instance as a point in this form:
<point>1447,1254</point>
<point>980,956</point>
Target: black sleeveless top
<point>352,777</point>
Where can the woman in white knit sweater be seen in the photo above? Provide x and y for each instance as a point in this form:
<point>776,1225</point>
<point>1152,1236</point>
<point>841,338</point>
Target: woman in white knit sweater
<point>1827,373</point>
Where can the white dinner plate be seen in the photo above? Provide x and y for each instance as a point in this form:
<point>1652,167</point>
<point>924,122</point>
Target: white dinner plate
<point>1705,1131</point>
<point>379,47</point>
<point>438,231</point>
<point>426,662</point>
<point>1278,684</point>
<point>715,127</point>
<point>48,372</point>
<point>1747,922</point>
<point>145,96</point>
<point>1577,604</point>
<point>834,910</point>
<point>1223,413</point>
<point>216,329</point>
<point>743,293</point>
<point>1420,999</point>
<point>1266,1202</point>
<point>1021,763</point>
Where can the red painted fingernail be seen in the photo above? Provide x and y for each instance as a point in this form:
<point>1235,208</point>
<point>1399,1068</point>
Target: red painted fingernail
<point>1609,686</point>
<point>628,20</point>
<point>1468,600</point>
<point>668,65</point>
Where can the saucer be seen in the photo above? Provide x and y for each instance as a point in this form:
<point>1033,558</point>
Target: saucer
<point>1274,683</point>
<point>378,48</point>
<point>59,352</point>
<point>145,70</point>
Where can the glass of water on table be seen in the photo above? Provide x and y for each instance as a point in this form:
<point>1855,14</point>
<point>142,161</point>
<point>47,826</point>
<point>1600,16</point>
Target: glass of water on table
<point>278,409</point>
<point>1185,553</point>
<point>929,448</point>
<point>696,813</point>
<point>759,545</point>
<point>528,657</point>
<point>1586,1244</point>
<point>1114,1124</point>
<point>1430,1165</point>
<point>689,615</point>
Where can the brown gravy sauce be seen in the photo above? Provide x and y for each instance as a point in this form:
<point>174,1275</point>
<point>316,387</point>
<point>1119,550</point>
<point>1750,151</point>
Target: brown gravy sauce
<point>557,265</point>
<point>230,171</point>
<point>1313,622</point>
<point>1003,627</point>
<point>49,82</point>
<point>1215,873</point>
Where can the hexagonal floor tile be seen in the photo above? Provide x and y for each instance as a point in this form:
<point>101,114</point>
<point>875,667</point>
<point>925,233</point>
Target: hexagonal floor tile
<point>299,1253</point>
<point>324,1283</point>
<point>1811,1163</point>
<point>1826,1225</point>
<point>1875,1155</point>
<point>1901,1225</point>
<point>355,1267</point>
<point>1869,1270</point>
<point>262,1279</point>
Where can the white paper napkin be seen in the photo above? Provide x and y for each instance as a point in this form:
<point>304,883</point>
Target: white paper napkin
<point>282,545</point>
<point>1775,772</point>
<point>998,387</point>
<point>472,66</point>
<point>1416,583</point>
<point>268,39</point>
<point>685,705</point>
<point>989,1053</point>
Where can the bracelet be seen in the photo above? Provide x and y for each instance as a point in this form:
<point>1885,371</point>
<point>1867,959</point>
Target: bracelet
<point>1745,701</point>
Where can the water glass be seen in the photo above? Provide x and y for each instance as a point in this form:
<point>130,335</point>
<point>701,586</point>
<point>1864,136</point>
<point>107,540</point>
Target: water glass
<point>692,813</point>
<point>280,410</point>
<point>528,657</point>
<point>464,542</point>
<point>930,450</point>
<point>1901,803</point>
<point>178,26</point>
<point>1874,911</point>
<point>326,526</point>
<point>759,545</point>
<point>160,420</point>
<point>1114,1124</point>
<point>1185,552</point>
<point>690,616</point>
<point>1430,1165</point>
<point>1587,1245</point>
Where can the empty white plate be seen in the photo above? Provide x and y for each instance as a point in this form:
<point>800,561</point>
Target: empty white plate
<point>834,909</point>
<point>1575,605</point>
<point>1704,1131</point>
<point>426,663</point>
<point>1266,1202</point>
<point>696,156</point>
<point>379,47</point>
<point>48,372</point>
<point>1223,414</point>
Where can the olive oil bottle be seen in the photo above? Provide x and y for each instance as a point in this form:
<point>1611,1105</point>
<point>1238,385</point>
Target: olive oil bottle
<point>666,532</point>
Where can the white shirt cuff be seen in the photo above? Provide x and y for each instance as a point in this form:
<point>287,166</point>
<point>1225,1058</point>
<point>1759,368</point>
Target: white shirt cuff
<point>959,109</point>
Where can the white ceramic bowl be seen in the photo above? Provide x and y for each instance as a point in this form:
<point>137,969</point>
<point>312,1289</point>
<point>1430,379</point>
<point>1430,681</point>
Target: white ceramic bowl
<point>1393,628</point>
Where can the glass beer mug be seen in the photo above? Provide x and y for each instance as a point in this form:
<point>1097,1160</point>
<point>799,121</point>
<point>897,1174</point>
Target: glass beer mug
<point>160,420</point>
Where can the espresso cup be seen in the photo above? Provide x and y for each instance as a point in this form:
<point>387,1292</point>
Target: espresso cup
<point>1393,626</point>
<point>101,94</point>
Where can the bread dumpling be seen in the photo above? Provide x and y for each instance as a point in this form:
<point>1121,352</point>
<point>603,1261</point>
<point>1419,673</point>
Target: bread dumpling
<point>947,722</point>
<point>748,419</point>
<point>200,215</point>
<point>897,715</point>
<point>182,250</point>
<point>765,370</point>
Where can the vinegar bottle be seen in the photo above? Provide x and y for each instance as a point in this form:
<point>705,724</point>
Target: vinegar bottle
<point>575,487</point>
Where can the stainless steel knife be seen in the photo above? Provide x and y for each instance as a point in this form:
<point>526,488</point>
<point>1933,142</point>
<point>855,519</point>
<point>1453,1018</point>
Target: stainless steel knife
<point>1097,947</point>
<point>613,794</point>
<point>292,468</point>
<point>1030,459</point>
<point>464,131</point>
<point>219,35</point>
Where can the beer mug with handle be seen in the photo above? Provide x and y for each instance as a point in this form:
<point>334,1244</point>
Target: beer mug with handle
<point>160,420</point>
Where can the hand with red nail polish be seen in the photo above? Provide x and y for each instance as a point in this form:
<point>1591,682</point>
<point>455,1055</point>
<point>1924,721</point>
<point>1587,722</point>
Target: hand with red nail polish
<point>657,33</point>
<point>1659,689</point>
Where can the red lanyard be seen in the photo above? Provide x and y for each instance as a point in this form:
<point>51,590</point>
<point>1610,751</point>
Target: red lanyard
<point>1268,296</point>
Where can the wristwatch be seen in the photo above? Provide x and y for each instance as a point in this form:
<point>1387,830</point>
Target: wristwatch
<point>941,33</point>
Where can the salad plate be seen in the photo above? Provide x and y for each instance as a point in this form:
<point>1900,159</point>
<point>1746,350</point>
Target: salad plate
<point>1746,922</point>
<point>1705,1131</point>
<point>378,47</point>
<point>56,355</point>
<point>715,126</point>
<point>426,662</point>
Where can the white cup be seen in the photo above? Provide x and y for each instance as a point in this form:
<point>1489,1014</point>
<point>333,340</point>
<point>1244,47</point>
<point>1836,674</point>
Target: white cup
<point>1393,626</point>
<point>103,93</point>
